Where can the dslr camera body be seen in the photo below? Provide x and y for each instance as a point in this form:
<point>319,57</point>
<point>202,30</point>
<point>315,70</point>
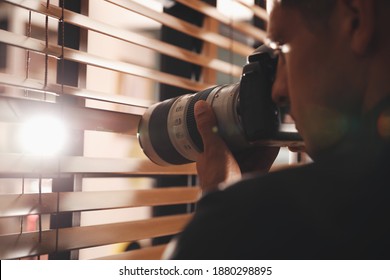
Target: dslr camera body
<point>246,116</point>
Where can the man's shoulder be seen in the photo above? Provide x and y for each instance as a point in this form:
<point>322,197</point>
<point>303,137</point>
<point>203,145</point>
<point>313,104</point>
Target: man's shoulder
<point>283,192</point>
<point>249,215</point>
<point>286,180</point>
<point>310,211</point>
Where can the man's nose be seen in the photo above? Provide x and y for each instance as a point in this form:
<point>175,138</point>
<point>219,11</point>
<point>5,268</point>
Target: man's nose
<point>280,94</point>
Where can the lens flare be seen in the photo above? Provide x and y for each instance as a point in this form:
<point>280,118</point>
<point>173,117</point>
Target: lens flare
<point>43,135</point>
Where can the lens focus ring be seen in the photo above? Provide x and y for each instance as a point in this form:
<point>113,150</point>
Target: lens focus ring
<point>191,122</point>
<point>159,134</point>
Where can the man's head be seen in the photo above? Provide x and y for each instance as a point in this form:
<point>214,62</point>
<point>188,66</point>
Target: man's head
<point>334,47</point>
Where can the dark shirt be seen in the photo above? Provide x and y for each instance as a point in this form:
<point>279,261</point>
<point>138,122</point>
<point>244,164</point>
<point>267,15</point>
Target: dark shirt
<point>335,208</point>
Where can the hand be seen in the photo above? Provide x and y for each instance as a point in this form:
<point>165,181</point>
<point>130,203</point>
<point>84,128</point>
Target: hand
<point>217,164</point>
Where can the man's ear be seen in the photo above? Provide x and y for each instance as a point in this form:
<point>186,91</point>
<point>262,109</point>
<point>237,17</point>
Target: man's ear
<point>361,24</point>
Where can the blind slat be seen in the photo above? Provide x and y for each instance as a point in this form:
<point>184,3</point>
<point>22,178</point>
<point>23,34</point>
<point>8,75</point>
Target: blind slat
<point>123,166</point>
<point>94,60</point>
<point>27,204</point>
<point>211,11</point>
<point>135,70</point>
<point>77,118</point>
<point>82,237</point>
<point>32,164</point>
<point>131,37</point>
<point>258,11</point>
<point>35,5</point>
<point>186,27</point>
<point>46,203</point>
<point>29,244</point>
<point>81,201</point>
<point>28,43</point>
<point>56,89</point>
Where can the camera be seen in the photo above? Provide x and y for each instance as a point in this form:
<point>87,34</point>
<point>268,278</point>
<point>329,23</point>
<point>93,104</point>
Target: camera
<point>246,116</point>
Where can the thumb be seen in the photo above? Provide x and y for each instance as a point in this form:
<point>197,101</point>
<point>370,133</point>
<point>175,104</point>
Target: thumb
<point>206,122</point>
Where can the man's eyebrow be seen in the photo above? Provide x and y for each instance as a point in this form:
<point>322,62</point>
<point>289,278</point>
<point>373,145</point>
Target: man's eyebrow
<point>274,36</point>
<point>277,37</point>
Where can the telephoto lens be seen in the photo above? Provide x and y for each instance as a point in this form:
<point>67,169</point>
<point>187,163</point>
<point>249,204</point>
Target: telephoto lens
<point>168,133</point>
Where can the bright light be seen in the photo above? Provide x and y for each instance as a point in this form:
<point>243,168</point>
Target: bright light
<point>234,10</point>
<point>270,6</point>
<point>43,135</point>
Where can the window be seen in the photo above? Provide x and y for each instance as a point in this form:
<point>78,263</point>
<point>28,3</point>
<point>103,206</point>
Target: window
<point>81,74</point>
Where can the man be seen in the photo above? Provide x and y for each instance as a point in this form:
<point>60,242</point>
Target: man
<point>333,71</point>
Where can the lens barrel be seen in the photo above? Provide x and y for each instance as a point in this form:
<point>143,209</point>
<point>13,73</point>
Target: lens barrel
<point>168,133</point>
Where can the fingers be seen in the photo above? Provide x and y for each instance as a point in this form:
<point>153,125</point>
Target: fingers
<point>297,149</point>
<point>206,123</point>
<point>216,164</point>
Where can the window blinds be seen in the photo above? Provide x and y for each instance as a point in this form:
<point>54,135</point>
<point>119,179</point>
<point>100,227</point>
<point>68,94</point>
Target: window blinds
<point>83,196</point>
